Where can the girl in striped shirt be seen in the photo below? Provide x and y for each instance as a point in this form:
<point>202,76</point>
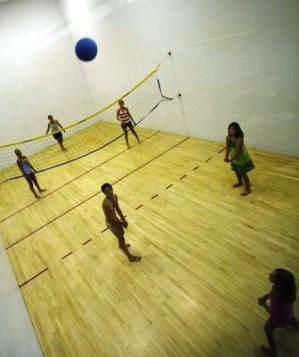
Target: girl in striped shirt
<point>125,118</point>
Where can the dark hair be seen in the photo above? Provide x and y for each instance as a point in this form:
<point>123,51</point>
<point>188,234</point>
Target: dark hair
<point>50,116</point>
<point>121,101</point>
<point>284,287</point>
<point>239,132</point>
<point>105,185</point>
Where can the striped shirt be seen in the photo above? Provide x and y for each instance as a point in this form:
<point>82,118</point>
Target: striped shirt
<point>54,127</point>
<point>124,115</point>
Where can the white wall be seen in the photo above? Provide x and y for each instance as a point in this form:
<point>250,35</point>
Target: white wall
<point>39,72</point>
<point>234,60</point>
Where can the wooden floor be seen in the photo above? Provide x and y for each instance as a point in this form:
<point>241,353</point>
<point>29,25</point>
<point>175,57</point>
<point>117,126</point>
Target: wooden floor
<point>206,251</point>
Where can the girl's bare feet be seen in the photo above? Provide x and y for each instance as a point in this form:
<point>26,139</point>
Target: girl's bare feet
<point>134,258</point>
<point>127,245</point>
<point>246,192</point>
<point>238,184</point>
<point>266,351</point>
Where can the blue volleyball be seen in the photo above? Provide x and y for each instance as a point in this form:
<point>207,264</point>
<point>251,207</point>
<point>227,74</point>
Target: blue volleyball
<point>86,49</point>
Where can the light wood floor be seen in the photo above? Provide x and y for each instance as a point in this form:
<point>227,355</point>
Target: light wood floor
<point>206,251</point>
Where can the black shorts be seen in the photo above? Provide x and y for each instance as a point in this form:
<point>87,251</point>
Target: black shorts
<point>29,177</point>
<point>58,136</point>
<point>127,125</point>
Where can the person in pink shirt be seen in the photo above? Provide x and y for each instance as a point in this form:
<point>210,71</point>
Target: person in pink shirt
<point>282,297</point>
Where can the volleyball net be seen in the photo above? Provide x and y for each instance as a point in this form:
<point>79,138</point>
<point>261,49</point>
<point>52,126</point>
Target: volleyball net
<point>96,131</point>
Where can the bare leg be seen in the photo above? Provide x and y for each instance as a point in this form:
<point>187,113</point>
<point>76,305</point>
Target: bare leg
<point>122,244</point>
<point>135,134</point>
<point>36,183</point>
<point>29,180</point>
<point>247,190</point>
<point>60,142</point>
<point>240,182</point>
<point>126,135</point>
<point>271,340</point>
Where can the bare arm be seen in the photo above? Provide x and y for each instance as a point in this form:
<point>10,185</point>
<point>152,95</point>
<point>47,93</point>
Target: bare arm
<point>48,129</point>
<point>20,167</point>
<point>30,165</point>
<point>262,301</point>
<point>117,115</point>
<point>264,298</point>
<point>226,149</point>
<point>60,125</point>
<point>118,210</point>
<point>267,307</point>
<point>130,116</point>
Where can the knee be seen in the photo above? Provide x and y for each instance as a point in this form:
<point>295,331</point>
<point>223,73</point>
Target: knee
<point>268,329</point>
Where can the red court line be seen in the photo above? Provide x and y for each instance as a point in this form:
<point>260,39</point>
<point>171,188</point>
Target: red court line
<point>34,276</point>
<point>74,179</point>
<point>95,194</point>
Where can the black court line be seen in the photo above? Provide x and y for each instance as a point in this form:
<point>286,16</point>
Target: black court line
<point>74,179</point>
<point>221,150</point>
<point>208,159</point>
<point>166,188</point>
<point>104,230</point>
<point>138,207</point>
<point>195,168</point>
<point>65,256</point>
<point>156,195</point>
<point>34,276</point>
<point>95,194</point>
